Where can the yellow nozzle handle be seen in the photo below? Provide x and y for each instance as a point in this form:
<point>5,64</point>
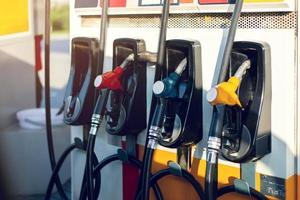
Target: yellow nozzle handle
<point>225,93</point>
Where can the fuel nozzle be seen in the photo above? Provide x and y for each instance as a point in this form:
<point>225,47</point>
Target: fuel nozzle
<point>111,80</point>
<point>225,92</point>
<point>166,88</point>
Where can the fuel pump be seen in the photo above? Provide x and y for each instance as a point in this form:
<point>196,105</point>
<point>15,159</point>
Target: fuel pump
<point>87,62</point>
<point>125,108</point>
<point>181,85</point>
<point>246,133</point>
<point>240,126</point>
<point>80,97</point>
<point>180,90</point>
<point>176,110</point>
<point>247,128</point>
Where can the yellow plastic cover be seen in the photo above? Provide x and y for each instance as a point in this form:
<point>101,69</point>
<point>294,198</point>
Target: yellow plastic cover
<point>13,16</point>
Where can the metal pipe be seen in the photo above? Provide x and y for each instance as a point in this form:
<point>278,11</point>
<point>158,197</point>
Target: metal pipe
<point>242,70</point>
<point>163,34</point>
<point>48,98</point>
<point>230,39</point>
<point>103,33</point>
<point>181,67</point>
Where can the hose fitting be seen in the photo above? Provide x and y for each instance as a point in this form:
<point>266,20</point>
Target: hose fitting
<point>96,122</point>
<point>213,148</point>
<point>154,136</point>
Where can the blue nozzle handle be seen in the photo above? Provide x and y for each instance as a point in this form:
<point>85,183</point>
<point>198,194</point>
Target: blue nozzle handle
<point>167,87</point>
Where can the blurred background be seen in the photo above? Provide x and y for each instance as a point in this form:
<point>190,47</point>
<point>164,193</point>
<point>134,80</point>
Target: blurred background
<point>25,167</point>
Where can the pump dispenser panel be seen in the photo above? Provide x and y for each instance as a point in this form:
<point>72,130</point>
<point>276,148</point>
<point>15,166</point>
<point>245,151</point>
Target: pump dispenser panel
<point>182,124</point>
<point>80,93</point>
<point>247,130</point>
<point>127,109</point>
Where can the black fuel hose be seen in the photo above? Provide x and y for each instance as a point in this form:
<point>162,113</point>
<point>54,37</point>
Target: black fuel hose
<point>231,188</point>
<point>96,178</point>
<point>97,117</point>
<point>92,138</point>
<point>132,160</point>
<point>59,165</point>
<point>185,175</point>
<point>156,123</point>
<point>90,167</point>
<point>147,163</point>
<point>57,169</point>
<point>152,142</point>
<point>211,180</point>
<point>215,132</point>
<point>48,100</point>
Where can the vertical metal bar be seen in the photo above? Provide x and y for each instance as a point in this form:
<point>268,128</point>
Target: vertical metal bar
<point>47,75</point>
<point>163,34</point>
<point>48,96</point>
<point>161,50</point>
<point>184,157</point>
<point>215,132</point>
<point>103,33</point>
<point>230,39</point>
<point>248,173</point>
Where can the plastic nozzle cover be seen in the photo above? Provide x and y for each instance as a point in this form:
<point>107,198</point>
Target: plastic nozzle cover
<point>225,93</point>
<point>167,87</point>
<point>110,80</point>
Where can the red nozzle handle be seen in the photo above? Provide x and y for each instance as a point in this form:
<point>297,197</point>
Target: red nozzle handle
<point>110,80</point>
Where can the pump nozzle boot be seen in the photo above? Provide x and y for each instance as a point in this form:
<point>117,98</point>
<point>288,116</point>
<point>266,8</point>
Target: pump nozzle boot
<point>225,93</point>
<point>110,80</point>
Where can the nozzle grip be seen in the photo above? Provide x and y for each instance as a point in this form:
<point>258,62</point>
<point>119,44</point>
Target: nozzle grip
<point>110,80</point>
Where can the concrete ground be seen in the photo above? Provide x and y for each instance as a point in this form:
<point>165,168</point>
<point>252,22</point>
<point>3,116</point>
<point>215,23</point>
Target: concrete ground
<point>55,196</point>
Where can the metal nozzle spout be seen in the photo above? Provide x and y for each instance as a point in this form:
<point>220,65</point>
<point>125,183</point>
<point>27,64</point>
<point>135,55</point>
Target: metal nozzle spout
<point>242,70</point>
<point>127,60</point>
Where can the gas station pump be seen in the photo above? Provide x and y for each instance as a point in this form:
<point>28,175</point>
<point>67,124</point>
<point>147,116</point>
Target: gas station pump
<point>181,79</point>
<point>178,94</point>
<point>127,109</point>
<point>125,105</point>
<point>240,129</point>
<point>176,110</point>
<point>246,133</point>
<point>87,62</point>
<point>240,125</point>
<point>80,97</point>
<point>247,128</point>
